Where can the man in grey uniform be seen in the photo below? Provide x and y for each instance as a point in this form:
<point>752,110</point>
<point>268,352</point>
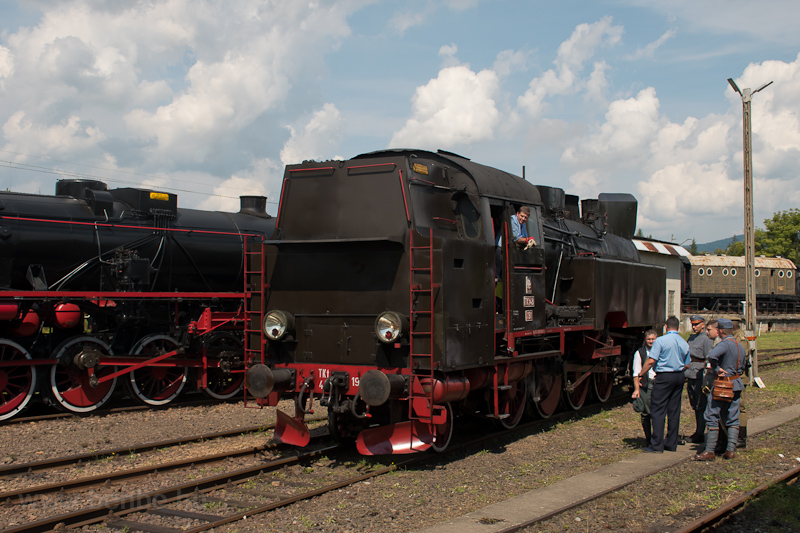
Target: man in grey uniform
<point>699,348</point>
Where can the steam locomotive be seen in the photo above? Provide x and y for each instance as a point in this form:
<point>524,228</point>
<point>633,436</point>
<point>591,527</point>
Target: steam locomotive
<point>393,293</point>
<point>100,285</point>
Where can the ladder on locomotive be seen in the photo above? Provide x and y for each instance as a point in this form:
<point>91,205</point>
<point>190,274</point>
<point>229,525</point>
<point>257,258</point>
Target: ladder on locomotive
<point>254,301</point>
<point>420,329</point>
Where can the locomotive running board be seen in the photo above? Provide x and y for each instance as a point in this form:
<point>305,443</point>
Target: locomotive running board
<point>291,430</point>
<point>411,436</point>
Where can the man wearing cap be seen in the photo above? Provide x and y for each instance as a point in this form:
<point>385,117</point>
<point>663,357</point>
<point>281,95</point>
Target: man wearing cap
<point>727,361</point>
<point>740,336</point>
<point>699,347</point>
<point>670,356</point>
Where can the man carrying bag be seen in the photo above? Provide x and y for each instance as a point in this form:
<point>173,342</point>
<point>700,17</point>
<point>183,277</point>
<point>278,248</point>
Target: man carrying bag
<point>727,361</point>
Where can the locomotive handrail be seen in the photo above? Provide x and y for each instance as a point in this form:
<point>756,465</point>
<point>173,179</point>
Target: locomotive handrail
<point>114,295</point>
<point>128,226</point>
<point>388,238</point>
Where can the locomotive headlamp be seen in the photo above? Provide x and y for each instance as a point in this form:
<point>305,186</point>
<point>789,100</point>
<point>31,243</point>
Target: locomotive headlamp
<point>277,323</point>
<point>389,326</point>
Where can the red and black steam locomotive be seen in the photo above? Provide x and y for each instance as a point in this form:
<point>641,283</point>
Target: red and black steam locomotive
<point>99,286</point>
<point>392,293</point>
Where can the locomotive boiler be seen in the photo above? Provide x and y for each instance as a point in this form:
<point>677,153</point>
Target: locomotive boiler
<point>393,293</point>
<point>100,285</point>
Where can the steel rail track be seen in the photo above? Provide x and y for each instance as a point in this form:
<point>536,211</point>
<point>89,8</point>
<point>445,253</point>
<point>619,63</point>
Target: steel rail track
<point>112,410</point>
<point>719,515</point>
<point>113,512</point>
<point>61,462</point>
<point>141,502</point>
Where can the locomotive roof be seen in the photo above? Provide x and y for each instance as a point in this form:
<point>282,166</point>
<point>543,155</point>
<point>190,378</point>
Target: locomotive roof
<point>489,180</point>
<point>738,261</point>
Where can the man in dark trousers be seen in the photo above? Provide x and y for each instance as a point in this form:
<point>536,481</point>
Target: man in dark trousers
<point>699,348</point>
<point>670,355</point>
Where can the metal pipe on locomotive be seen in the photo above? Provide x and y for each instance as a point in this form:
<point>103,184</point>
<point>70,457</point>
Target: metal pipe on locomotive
<point>391,293</point>
<point>101,284</point>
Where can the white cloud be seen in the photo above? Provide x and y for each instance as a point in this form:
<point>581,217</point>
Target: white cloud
<point>6,65</point>
<point>509,62</point>
<point>318,139</point>
<point>71,135</point>
<point>448,54</point>
<point>649,50</point>
<point>572,54</point>
<point>775,20</point>
<point>262,178</point>
<point>457,107</point>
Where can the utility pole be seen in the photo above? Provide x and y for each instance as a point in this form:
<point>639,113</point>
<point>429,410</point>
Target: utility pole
<point>749,231</point>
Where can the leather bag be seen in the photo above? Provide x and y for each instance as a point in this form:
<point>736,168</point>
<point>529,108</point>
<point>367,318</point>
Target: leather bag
<point>723,390</point>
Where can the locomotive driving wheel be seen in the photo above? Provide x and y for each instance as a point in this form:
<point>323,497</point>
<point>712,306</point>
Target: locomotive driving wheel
<point>603,382</point>
<point>17,383</point>
<point>156,385</point>
<point>443,433</point>
<point>71,387</point>
<point>575,393</point>
<point>514,400</point>
<point>544,388</point>
<point>222,384</point>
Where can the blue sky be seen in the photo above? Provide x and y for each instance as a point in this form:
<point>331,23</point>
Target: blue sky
<point>210,99</point>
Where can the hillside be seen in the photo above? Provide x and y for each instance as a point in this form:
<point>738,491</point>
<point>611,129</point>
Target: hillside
<point>711,246</point>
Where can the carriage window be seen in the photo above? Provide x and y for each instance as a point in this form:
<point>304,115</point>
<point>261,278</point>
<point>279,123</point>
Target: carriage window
<point>788,273</point>
<point>724,271</point>
<point>757,273</point>
<point>733,272</point>
<point>780,273</point>
<point>701,272</point>
<point>708,272</point>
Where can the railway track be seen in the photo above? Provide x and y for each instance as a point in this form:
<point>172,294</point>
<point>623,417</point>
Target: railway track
<point>247,491</point>
<point>131,408</point>
<point>720,515</point>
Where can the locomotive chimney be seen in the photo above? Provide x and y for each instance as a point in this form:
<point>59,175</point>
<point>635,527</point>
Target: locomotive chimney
<point>254,205</point>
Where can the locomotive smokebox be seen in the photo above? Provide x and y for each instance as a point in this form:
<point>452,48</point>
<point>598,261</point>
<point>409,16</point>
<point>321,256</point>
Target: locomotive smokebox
<point>375,387</point>
<point>260,380</point>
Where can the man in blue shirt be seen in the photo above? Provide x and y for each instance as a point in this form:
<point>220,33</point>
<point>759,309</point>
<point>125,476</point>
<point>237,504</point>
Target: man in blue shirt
<point>519,230</point>
<point>670,356</point>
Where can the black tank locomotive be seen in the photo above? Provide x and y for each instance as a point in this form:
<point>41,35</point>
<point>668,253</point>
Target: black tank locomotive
<point>392,293</point>
<point>100,285</point>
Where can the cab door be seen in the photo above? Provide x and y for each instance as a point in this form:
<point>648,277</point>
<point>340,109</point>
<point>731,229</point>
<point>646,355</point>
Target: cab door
<point>525,293</point>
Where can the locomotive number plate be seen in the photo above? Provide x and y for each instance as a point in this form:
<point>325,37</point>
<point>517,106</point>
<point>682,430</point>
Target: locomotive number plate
<point>528,301</point>
<point>528,285</point>
<point>528,315</point>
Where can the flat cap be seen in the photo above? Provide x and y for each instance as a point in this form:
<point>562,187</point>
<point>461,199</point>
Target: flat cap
<point>696,318</point>
<point>725,323</point>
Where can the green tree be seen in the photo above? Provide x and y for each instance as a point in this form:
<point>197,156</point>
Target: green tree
<point>782,235</point>
<point>639,234</point>
<point>693,248</point>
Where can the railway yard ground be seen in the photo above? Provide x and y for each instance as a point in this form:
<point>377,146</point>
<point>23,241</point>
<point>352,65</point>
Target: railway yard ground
<point>445,487</point>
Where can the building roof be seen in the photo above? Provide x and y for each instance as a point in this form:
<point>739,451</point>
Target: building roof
<point>660,248</point>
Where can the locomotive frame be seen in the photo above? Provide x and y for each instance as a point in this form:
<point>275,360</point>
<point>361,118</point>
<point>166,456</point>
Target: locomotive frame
<point>379,295</point>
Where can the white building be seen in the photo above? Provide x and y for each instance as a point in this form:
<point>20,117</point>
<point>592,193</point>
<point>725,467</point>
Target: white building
<point>668,256</point>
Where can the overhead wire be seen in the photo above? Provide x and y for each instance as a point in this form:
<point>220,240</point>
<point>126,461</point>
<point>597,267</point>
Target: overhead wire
<point>82,175</point>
